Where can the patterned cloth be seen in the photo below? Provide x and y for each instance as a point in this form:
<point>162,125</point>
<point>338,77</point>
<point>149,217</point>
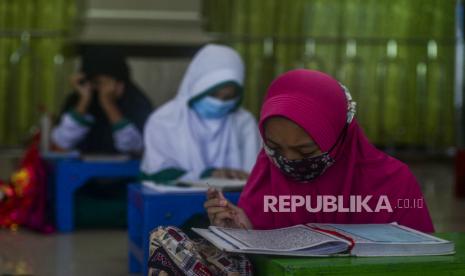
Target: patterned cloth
<point>173,253</point>
<point>23,199</point>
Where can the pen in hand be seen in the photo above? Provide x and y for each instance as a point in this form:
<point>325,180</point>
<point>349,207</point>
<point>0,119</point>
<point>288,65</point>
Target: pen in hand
<point>233,212</point>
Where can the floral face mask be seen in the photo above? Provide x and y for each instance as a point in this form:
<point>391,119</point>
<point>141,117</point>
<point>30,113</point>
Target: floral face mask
<point>301,170</point>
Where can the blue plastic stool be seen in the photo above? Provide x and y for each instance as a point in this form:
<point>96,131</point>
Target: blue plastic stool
<point>148,209</point>
<point>70,174</point>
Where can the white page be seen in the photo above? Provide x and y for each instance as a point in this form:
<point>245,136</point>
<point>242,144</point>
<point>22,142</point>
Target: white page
<point>391,239</point>
<point>284,239</point>
<point>225,245</point>
<point>382,233</point>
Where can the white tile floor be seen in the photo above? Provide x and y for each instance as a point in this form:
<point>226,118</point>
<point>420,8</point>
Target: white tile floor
<point>104,252</point>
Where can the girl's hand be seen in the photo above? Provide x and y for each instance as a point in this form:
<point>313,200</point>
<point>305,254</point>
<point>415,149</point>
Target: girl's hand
<point>84,89</point>
<point>82,86</point>
<point>223,213</point>
<point>109,89</point>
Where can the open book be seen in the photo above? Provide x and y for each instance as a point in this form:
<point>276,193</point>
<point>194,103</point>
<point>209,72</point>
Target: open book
<point>219,183</point>
<point>329,239</point>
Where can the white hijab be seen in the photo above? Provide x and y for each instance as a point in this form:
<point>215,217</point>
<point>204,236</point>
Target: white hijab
<point>176,137</point>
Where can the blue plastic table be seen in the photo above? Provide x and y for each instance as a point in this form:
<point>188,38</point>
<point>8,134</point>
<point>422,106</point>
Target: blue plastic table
<point>148,209</point>
<point>70,174</point>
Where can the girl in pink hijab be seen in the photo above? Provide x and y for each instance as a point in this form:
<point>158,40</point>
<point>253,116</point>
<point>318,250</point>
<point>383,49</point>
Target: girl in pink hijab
<point>314,153</point>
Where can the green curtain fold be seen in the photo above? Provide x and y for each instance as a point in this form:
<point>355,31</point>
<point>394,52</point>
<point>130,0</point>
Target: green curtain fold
<point>396,57</point>
<point>34,37</point>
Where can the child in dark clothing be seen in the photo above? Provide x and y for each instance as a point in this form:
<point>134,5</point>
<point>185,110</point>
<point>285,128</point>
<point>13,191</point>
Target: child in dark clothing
<point>106,113</point>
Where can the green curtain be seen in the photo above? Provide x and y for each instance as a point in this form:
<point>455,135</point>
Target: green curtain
<point>34,35</point>
<point>396,57</point>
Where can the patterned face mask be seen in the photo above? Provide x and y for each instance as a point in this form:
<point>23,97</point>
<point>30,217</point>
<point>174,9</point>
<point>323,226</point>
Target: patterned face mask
<point>308,168</point>
<point>301,170</point>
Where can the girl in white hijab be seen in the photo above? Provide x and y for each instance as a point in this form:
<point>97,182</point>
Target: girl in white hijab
<point>203,131</point>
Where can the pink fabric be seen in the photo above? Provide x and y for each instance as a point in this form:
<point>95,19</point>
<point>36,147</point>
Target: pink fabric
<point>316,102</point>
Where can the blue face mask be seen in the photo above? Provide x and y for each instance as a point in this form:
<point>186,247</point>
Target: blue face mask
<point>212,108</point>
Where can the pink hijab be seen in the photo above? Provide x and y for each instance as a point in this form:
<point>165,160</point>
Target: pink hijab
<point>317,103</point>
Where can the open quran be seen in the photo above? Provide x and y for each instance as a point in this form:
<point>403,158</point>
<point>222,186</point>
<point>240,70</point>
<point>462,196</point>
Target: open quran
<point>329,239</point>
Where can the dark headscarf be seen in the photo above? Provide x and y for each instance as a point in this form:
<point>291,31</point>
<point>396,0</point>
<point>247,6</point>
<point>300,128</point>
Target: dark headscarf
<point>102,61</point>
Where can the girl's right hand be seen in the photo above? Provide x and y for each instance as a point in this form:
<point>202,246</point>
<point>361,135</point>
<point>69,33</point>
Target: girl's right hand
<point>84,89</point>
<point>82,86</point>
<point>223,213</point>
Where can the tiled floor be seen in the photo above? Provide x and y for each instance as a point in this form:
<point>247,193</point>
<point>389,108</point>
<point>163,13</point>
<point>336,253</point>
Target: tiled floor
<point>437,183</point>
<point>104,252</point>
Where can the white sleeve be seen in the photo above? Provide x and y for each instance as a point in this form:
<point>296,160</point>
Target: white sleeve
<point>71,130</point>
<point>128,138</point>
<point>158,153</point>
<point>251,143</point>
<point>157,156</point>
